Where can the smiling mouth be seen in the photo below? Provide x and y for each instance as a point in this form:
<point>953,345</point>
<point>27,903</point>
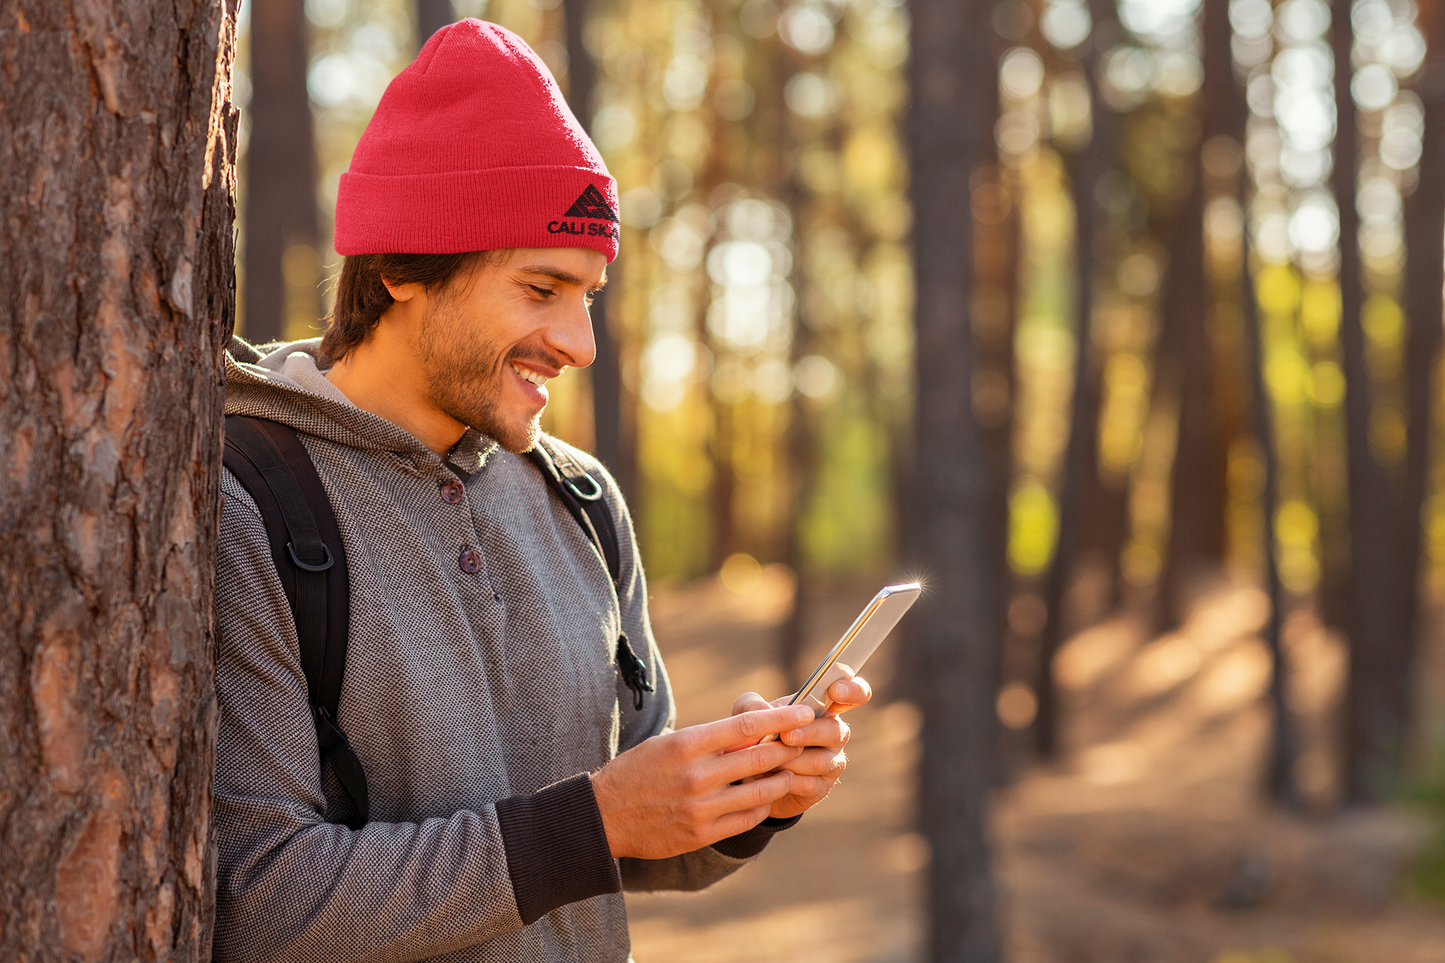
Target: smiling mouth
<point>527,374</point>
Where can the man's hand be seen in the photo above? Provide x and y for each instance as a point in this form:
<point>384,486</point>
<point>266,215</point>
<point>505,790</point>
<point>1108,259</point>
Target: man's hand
<point>822,760</point>
<point>681,791</point>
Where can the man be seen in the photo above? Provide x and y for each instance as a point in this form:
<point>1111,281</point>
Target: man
<point>512,792</point>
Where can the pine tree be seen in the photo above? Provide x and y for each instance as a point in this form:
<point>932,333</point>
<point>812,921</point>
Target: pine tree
<point>117,284</point>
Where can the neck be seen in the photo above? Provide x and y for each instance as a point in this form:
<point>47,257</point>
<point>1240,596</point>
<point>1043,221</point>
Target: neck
<point>386,381</point>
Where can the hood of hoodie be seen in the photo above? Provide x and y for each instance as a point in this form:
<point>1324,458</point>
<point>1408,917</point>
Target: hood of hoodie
<point>283,382</point>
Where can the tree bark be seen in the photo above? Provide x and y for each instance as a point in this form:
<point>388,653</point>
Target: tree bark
<point>609,444</point>
<point>1198,490</point>
<point>1369,753</point>
<point>117,286</point>
<point>955,628</point>
<point>1279,775</point>
<point>994,320</point>
<point>1423,283</point>
<point>431,16</point>
<point>1079,492</point>
<point>283,266</point>
<point>800,452</point>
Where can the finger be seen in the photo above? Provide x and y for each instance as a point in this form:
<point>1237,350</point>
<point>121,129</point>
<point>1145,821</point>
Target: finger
<point>751,795</point>
<point>811,788</point>
<point>733,823</point>
<point>818,762</point>
<point>744,727</point>
<point>827,731</point>
<point>750,702</point>
<point>752,761</point>
<point>850,693</point>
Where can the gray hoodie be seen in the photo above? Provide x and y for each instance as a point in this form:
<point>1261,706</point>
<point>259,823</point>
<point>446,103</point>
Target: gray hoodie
<point>477,704</point>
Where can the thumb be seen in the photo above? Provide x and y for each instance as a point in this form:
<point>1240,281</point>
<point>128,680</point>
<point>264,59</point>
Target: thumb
<point>750,702</point>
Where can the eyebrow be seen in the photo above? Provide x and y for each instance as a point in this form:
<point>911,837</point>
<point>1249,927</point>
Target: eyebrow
<point>565,277</point>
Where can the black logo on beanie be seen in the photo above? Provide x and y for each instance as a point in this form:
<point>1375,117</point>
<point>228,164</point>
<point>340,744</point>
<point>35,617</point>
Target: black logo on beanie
<point>591,204</point>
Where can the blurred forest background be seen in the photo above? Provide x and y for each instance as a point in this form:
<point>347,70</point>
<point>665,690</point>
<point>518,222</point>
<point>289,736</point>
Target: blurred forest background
<point>1189,276</point>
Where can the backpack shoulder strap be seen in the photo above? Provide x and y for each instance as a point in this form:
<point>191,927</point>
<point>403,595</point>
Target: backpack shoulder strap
<point>582,494</point>
<point>273,466</point>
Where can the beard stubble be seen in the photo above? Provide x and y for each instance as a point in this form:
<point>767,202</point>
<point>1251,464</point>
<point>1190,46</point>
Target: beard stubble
<point>464,371</point>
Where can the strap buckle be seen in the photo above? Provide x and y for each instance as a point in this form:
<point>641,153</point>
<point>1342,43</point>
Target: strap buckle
<point>592,496</point>
<point>291,550</point>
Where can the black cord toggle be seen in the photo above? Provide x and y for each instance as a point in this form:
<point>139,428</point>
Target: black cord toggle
<point>634,671</point>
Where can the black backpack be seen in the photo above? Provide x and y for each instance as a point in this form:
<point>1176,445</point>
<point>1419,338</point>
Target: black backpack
<point>272,465</point>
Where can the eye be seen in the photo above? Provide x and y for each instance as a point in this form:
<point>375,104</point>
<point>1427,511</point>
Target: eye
<point>544,292</point>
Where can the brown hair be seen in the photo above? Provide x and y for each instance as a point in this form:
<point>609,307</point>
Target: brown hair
<point>362,298</point>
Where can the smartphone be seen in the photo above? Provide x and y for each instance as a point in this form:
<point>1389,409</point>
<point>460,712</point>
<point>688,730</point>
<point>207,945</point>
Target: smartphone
<point>863,637</point>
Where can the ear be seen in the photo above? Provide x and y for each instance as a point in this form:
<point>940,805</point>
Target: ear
<point>400,292</point>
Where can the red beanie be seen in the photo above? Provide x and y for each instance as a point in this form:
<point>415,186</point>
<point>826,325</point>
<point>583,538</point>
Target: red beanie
<point>472,148</point>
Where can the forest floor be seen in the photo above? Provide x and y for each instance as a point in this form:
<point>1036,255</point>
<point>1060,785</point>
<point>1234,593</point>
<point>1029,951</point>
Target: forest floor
<point>1146,843</point>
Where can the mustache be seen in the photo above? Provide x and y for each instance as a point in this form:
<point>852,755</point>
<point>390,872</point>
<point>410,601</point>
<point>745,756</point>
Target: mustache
<point>539,355</point>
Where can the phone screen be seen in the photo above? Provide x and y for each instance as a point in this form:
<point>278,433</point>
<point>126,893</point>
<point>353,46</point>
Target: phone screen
<point>863,637</point>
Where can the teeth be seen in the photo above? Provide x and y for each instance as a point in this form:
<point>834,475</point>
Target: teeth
<point>529,375</point>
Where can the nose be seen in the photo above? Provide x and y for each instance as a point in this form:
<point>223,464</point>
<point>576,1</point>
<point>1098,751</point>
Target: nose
<point>570,335</point>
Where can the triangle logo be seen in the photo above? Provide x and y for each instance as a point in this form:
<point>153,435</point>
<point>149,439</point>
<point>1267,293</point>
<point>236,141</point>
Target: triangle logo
<point>591,203</point>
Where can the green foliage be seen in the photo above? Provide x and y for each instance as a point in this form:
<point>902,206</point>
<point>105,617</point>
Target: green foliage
<point>1427,876</point>
<point>848,525</point>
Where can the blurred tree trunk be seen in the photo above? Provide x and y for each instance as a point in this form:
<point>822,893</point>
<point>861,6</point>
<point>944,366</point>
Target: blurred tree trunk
<point>1279,781</point>
<point>610,444</point>
<point>995,206</point>
<point>801,439</point>
<point>1079,493</point>
<point>801,456</point>
<point>1279,776</point>
<point>955,627</point>
<point>116,298</point>
<point>1371,749</point>
<point>1424,278</point>
<point>1198,486</point>
<point>729,142</point>
<point>283,266</point>
<point>432,15</point>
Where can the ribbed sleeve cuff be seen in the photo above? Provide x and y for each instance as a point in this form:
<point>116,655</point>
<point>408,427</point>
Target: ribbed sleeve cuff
<point>748,844</point>
<point>557,850</point>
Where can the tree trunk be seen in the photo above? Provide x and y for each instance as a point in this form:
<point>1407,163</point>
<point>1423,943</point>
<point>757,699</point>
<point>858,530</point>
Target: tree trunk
<point>1279,776</point>
<point>1370,715</point>
<point>955,628</point>
<point>1198,490</point>
<point>117,287</point>
<point>1079,491</point>
<point>283,266</point>
<point>609,443</point>
<point>432,15</point>
<point>997,251</point>
<point>800,455</point>
<point>1423,281</point>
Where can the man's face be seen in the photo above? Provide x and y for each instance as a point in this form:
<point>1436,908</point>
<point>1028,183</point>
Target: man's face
<point>488,343</point>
